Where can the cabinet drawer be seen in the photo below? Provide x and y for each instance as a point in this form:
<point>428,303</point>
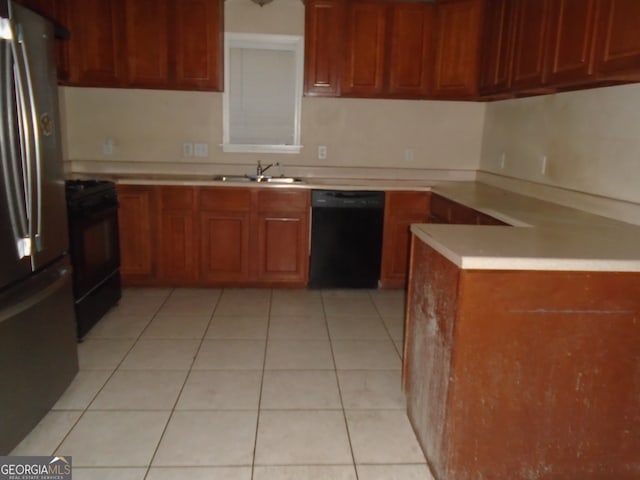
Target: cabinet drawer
<point>237,199</point>
<point>172,198</point>
<point>283,200</point>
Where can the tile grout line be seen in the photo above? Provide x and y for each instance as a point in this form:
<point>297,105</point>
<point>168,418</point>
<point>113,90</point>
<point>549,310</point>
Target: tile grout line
<point>264,364</point>
<point>173,409</point>
<point>86,408</point>
<point>344,412</point>
<point>384,324</point>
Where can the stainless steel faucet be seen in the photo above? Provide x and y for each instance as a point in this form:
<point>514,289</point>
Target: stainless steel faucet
<point>260,170</point>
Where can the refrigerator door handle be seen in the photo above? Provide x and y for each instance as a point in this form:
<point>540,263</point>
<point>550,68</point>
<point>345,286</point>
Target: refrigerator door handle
<point>35,133</point>
<point>16,186</point>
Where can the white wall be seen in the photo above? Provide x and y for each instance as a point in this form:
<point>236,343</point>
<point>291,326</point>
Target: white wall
<point>151,125</point>
<point>591,139</point>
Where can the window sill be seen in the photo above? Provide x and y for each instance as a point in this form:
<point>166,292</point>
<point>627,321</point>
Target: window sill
<point>238,148</point>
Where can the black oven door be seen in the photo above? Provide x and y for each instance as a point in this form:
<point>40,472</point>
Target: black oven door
<point>95,250</point>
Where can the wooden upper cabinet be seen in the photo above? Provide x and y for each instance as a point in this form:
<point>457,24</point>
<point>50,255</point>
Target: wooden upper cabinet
<point>497,47</point>
<point>458,36</point>
<point>55,10</point>
<point>618,52</point>
<point>531,17</point>
<point>410,50</point>
<point>571,38</point>
<point>96,53</point>
<point>147,31</point>
<point>363,73</point>
<point>324,25</point>
<point>197,44</point>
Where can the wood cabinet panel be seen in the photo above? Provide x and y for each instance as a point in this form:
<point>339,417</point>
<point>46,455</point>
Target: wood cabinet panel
<point>96,51</point>
<point>497,51</point>
<point>401,210</point>
<point>283,247</point>
<point>147,37</point>
<point>324,27</point>
<point>571,41</point>
<point>531,17</point>
<point>618,53</point>
<point>410,49</point>
<point>571,335</point>
<point>224,250</point>
<point>197,44</point>
<point>136,221</point>
<point>177,236</point>
<point>458,36</point>
<point>229,199</point>
<point>57,11</point>
<point>365,49</point>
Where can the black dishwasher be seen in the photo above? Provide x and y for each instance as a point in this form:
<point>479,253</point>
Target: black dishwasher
<point>346,238</point>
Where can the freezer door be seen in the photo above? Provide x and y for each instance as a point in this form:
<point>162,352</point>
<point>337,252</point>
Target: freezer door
<point>49,211</point>
<point>13,197</point>
<point>38,350</point>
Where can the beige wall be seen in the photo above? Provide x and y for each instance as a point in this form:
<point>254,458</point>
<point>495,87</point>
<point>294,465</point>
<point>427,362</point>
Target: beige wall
<point>591,139</point>
<point>152,125</point>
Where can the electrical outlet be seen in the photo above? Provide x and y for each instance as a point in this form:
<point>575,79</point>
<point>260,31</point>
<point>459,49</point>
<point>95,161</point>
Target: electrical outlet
<point>187,150</point>
<point>503,160</point>
<point>322,152</point>
<point>107,146</point>
<point>543,164</point>
<point>408,154</point>
<point>201,149</point>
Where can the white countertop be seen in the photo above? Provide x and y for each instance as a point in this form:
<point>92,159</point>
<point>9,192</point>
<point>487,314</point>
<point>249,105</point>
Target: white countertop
<point>544,235</point>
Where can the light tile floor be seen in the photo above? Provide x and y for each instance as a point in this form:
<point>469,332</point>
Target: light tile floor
<point>238,384</point>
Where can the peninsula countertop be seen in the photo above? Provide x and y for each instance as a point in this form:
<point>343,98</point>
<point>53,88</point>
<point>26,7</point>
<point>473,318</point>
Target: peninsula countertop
<point>543,235</point>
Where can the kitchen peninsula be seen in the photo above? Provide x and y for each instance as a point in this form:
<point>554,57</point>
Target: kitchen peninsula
<point>522,344</point>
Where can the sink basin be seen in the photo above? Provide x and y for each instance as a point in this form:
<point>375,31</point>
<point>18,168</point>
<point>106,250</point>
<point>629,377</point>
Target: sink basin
<point>256,178</point>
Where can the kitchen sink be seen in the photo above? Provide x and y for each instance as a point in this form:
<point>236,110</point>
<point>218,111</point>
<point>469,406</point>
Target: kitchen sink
<point>257,179</point>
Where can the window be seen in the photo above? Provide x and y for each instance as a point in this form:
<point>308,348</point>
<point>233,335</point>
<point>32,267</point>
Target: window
<point>262,93</point>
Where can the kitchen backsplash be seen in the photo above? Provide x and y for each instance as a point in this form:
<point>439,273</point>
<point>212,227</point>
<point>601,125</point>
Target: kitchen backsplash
<point>587,141</point>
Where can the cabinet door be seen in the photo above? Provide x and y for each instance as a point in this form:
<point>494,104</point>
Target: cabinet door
<point>571,41</point>
<point>177,236</point>
<point>401,210</point>
<point>497,48</point>
<point>409,60</point>
<point>458,29</point>
<point>324,21</point>
<point>224,233</point>
<point>365,49</point>
<point>197,44</point>
<point>529,49</point>
<point>283,247</point>
<point>136,218</point>
<point>619,41</point>
<point>282,236</point>
<point>147,37</point>
<point>96,53</point>
<point>224,251</point>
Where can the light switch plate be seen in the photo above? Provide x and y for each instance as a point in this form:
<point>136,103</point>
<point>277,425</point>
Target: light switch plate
<point>201,149</point>
<point>187,150</point>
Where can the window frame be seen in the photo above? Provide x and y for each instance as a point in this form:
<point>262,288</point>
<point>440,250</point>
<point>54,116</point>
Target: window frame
<point>293,43</point>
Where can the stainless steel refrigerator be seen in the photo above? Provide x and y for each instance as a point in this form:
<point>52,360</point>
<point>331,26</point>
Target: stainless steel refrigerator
<point>38,351</point>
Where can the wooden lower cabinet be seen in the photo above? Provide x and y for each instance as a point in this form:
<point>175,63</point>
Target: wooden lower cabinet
<point>180,236</point>
<point>283,237</point>
<point>177,236</point>
<point>400,211</point>
<point>137,224</point>
<point>540,364</point>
